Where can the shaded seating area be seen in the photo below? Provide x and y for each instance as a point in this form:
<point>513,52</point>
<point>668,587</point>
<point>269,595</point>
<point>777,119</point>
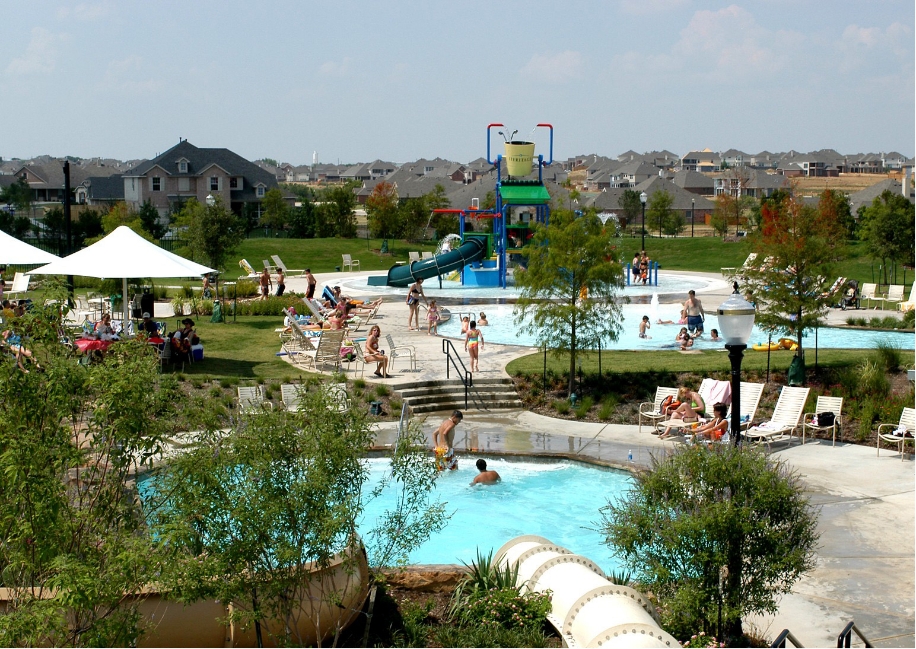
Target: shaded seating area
<point>900,433</point>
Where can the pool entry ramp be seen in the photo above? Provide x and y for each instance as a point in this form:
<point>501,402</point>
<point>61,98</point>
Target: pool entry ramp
<point>588,610</point>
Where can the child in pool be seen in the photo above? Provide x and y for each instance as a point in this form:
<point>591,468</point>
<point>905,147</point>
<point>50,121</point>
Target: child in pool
<point>482,320</point>
<point>714,334</point>
<point>686,343</point>
<point>432,316</point>
<point>643,326</point>
<point>465,323</point>
<point>681,335</point>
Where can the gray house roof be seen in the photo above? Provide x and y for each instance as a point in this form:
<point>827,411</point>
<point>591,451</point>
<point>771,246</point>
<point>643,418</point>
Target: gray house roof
<point>693,181</point>
<point>104,188</point>
<point>682,199</point>
<point>867,196</point>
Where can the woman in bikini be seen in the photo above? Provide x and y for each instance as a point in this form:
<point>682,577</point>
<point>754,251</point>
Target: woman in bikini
<point>413,303</point>
<point>374,354</point>
<point>473,343</point>
<point>691,409</point>
<point>715,428</point>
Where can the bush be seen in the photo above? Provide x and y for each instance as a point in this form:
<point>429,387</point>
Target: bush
<point>382,390</point>
<point>702,640</point>
<point>888,356</point>
<point>467,636</point>
<point>872,380</point>
<point>272,306</point>
<point>245,288</point>
<point>584,406</point>
<point>608,405</point>
<point>561,406</point>
<point>507,608</point>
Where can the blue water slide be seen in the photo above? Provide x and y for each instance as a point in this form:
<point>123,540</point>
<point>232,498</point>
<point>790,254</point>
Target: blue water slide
<point>473,249</point>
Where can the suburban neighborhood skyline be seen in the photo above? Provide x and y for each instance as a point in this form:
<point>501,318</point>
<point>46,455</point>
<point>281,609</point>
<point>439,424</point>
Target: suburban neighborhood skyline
<point>356,82</point>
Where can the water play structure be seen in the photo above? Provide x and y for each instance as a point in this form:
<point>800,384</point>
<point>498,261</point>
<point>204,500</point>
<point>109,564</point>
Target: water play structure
<point>482,258</point>
<point>587,609</point>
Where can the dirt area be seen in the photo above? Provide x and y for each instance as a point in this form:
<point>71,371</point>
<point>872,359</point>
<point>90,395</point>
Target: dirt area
<point>845,182</point>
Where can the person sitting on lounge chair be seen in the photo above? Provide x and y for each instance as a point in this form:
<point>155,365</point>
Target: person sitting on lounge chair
<point>691,409</point>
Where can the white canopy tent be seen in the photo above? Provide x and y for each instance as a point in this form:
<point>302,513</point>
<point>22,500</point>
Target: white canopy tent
<point>123,254</point>
<point>14,251</point>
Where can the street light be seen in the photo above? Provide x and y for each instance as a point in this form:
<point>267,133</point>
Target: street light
<point>693,215</point>
<point>642,199</point>
<point>209,200</point>
<point>736,320</point>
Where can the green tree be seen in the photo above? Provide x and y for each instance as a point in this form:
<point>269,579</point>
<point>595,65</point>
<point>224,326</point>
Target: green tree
<point>338,204</point>
<point>275,212</point>
<point>567,258</point>
<point>88,225</point>
<point>149,218</point>
<point>19,195</point>
<point>211,233</point>
<point>658,211</point>
<point>835,205</point>
<point>74,547</point>
<point>632,207</point>
<point>248,514</point>
<point>55,227</point>
<point>382,211</point>
<point>800,245</point>
<point>303,221</point>
<point>887,230</point>
<point>413,216</point>
<point>443,224</point>
<point>117,215</point>
<point>704,516</point>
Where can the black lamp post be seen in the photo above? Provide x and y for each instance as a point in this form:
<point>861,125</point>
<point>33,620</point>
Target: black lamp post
<point>736,320</point>
<point>693,215</point>
<point>642,199</point>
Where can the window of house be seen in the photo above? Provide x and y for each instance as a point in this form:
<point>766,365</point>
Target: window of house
<point>233,183</point>
<point>184,184</point>
<point>214,184</point>
<point>260,191</point>
<point>157,184</point>
<point>183,167</point>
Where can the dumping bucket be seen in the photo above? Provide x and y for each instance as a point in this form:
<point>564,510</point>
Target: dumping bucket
<point>518,158</point>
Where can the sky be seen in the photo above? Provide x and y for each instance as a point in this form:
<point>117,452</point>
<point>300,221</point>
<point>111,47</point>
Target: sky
<point>352,81</point>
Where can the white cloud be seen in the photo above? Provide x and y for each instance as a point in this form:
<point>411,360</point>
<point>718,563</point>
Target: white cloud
<point>40,55</point>
<point>85,11</point>
<point>556,68</point>
<point>335,68</point>
<point>129,76</point>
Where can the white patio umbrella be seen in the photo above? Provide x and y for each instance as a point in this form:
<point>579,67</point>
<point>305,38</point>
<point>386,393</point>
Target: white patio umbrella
<point>123,254</point>
<point>14,251</point>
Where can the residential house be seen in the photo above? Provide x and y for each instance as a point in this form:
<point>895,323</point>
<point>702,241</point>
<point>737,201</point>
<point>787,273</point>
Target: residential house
<point>633,173</point>
<point>46,179</point>
<point>704,160</point>
<point>686,203</point>
<point>756,183</point>
<point>186,171</point>
<point>693,182</point>
<point>734,158</point>
<point>866,197</point>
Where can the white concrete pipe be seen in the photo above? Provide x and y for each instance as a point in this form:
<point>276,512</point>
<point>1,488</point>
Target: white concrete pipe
<point>587,609</point>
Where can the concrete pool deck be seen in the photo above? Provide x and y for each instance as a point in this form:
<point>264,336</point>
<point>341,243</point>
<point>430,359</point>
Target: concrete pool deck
<point>865,567</point>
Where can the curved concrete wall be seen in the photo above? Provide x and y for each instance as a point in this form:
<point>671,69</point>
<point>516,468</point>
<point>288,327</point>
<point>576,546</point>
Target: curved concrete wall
<point>588,610</point>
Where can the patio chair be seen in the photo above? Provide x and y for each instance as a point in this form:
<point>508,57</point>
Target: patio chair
<point>731,271</point>
<point>248,268</point>
<point>269,266</point>
<point>336,397</point>
<point>813,422</point>
<point>785,419</point>
<point>427,254</point>
<point>412,257</point>
<point>894,294</point>
<point>289,395</point>
<point>252,399</point>
<point>750,400</point>
<point>349,262</point>
<point>287,271</point>
<point>360,361</point>
<point>869,293</point>
<point>899,433</point>
<point>20,284</point>
<point>651,410</point>
<point>398,351</point>
<point>910,303</point>
<point>836,288</point>
<point>328,350</point>
<point>711,391</point>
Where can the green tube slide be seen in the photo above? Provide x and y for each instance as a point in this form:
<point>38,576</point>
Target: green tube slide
<point>473,249</point>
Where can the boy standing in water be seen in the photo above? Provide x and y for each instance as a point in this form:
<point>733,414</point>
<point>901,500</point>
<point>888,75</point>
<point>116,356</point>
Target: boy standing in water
<point>643,326</point>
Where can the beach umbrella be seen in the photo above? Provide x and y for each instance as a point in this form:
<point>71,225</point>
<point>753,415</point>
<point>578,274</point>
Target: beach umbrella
<point>14,251</point>
<point>124,254</point>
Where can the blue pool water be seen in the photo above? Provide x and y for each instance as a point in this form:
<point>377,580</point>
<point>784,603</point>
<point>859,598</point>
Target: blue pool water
<point>502,330</point>
<point>558,500</point>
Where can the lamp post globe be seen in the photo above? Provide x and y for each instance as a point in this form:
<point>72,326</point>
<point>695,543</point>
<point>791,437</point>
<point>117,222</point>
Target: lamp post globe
<point>642,199</point>
<point>736,320</point>
<point>209,200</point>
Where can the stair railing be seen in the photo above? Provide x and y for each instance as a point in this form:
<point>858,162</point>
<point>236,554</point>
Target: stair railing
<point>845,637</point>
<point>780,641</point>
<point>453,360</point>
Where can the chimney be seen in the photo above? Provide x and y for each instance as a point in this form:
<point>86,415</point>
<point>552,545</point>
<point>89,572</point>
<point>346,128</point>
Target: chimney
<point>906,183</point>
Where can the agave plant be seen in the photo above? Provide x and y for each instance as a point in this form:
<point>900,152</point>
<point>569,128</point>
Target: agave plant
<point>483,575</point>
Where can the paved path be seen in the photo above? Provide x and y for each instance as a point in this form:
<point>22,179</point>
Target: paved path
<point>865,568</point>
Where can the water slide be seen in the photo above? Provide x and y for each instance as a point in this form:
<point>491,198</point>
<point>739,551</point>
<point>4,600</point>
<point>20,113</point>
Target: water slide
<point>473,249</point>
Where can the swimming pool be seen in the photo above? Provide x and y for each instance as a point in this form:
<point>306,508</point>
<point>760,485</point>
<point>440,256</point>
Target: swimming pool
<point>502,330</point>
<point>557,499</point>
<point>667,283</point>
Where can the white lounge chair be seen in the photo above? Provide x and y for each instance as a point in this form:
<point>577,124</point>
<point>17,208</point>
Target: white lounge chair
<point>731,271</point>
<point>894,294</point>
<point>248,268</point>
<point>20,284</point>
<point>349,262</point>
<point>427,254</point>
<point>651,410</point>
<point>824,404</point>
<point>290,395</point>
<point>399,351</point>
<point>869,293</point>
<point>269,266</point>
<point>337,397</point>
<point>287,271</point>
<point>785,419</point>
<point>252,399</point>
<point>412,257</point>
<point>750,400</point>
<point>899,433</point>
<point>910,303</point>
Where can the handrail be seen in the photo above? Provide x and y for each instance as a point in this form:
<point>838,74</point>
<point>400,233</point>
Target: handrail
<point>468,378</point>
<point>402,425</point>
<point>780,641</point>
<point>845,637</point>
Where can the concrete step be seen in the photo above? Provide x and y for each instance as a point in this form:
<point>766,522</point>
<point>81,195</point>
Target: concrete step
<point>438,395</point>
<point>459,405</point>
